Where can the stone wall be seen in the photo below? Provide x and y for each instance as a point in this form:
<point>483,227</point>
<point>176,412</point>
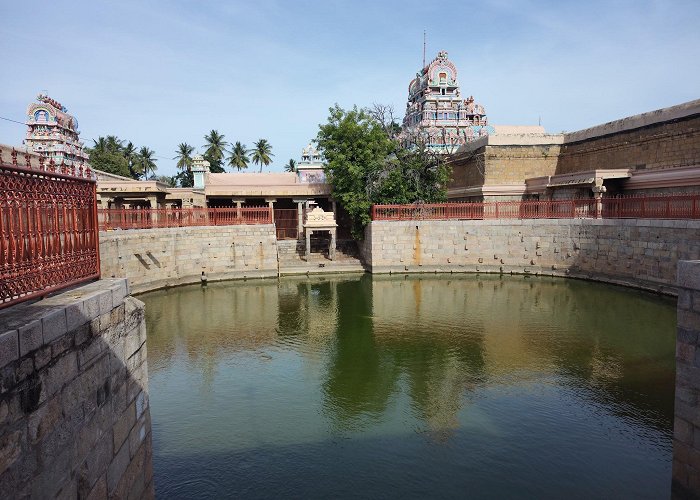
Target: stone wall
<point>74,412</point>
<point>510,164</point>
<point>686,424</point>
<point>666,144</point>
<point>154,258</point>
<point>641,253</point>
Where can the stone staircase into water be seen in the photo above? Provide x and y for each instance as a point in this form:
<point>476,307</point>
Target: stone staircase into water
<point>292,260</point>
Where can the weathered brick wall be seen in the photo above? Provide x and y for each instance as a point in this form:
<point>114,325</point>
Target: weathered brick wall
<point>153,258</point>
<point>74,412</point>
<point>661,145</point>
<point>511,164</point>
<point>468,170</point>
<point>640,253</point>
<point>686,424</point>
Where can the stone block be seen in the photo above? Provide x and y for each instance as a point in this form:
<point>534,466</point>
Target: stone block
<point>54,325</point>
<point>689,274</point>
<point>61,372</point>
<point>105,301</point>
<point>44,420</point>
<point>30,337</point>
<point>9,347</point>
<point>75,316</point>
<point>10,449</point>
<point>117,467</point>
<point>95,466</point>
<point>123,425</point>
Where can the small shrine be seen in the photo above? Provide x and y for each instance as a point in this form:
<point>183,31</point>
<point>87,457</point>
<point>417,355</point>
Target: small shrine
<point>318,220</point>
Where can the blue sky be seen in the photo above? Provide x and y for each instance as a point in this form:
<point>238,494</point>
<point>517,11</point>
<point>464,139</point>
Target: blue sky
<point>160,73</point>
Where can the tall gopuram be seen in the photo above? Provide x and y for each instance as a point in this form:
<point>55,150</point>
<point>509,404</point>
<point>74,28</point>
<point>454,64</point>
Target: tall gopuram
<point>437,114</point>
<point>53,133</point>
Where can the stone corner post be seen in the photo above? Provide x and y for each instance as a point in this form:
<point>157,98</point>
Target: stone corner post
<point>686,422</point>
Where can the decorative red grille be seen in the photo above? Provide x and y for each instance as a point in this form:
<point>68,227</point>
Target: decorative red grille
<point>647,207</point>
<point>48,229</point>
<point>111,218</point>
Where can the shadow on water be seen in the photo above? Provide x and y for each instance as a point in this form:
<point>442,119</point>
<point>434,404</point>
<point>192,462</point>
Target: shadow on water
<point>411,386</point>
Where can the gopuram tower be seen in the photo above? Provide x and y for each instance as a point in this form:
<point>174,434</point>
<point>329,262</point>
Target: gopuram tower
<point>53,133</point>
<point>436,113</point>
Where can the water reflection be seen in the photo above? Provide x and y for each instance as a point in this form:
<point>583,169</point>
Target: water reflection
<point>501,366</point>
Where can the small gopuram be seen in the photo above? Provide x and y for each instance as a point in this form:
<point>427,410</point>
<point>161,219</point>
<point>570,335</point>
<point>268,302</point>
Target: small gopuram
<point>310,168</point>
<point>436,112</point>
<point>318,220</point>
<point>53,133</point>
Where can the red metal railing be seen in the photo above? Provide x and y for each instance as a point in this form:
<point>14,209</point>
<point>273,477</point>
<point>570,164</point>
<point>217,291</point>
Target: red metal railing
<point>488,210</point>
<point>48,229</point>
<point>652,207</point>
<point>648,207</point>
<point>184,217</point>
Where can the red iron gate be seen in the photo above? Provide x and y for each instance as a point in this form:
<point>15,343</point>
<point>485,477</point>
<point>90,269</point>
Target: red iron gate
<point>48,230</point>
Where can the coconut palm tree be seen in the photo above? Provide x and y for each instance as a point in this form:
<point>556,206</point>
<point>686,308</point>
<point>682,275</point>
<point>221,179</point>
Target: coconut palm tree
<point>100,144</point>
<point>184,156</point>
<point>291,166</point>
<point>114,144</point>
<point>262,154</point>
<point>130,153</point>
<point>145,161</point>
<point>215,146</point>
<point>239,156</point>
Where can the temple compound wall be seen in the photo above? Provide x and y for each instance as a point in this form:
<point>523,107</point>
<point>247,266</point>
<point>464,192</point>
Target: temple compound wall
<point>74,405</point>
<point>640,253</point>
<point>651,153</point>
<point>156,258</point>
<point>669,143</point>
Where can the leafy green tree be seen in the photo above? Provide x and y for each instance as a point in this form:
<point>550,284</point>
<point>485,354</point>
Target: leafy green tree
<point>184,178</point>
<point>354,146</point>
<point>145,161</point>
<point>239,157</point>
<point>109,154</point>
<point>106,161</point>
<point>291,166</point>
<point>214,154</point>
<point>262,153</point>
<point>366,164</point>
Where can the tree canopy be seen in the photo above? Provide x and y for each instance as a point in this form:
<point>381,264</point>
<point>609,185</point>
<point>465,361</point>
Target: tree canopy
<point>109,154</point>
<point>366,164</point>
<point>214,154</point>
<point>238,157</point>
<point>291,165</point>
<point>262,153</point>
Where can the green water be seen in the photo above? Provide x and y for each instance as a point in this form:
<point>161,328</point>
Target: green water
<point>407,387</point>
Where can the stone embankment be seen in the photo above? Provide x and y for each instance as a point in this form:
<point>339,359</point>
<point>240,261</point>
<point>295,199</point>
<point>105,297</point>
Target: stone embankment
<point>633,252</point>
<point>156,258</point>
<point>74,411</point>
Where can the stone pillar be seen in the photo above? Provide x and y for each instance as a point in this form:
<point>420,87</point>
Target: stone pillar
<point>308,242</point>
<point>271,203</point>
<point>334,208</point>
<point>686,422</point>
<point>300,217</point>
<point>598,190</point>
<point>239,205</point>
<point>331,249</point>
